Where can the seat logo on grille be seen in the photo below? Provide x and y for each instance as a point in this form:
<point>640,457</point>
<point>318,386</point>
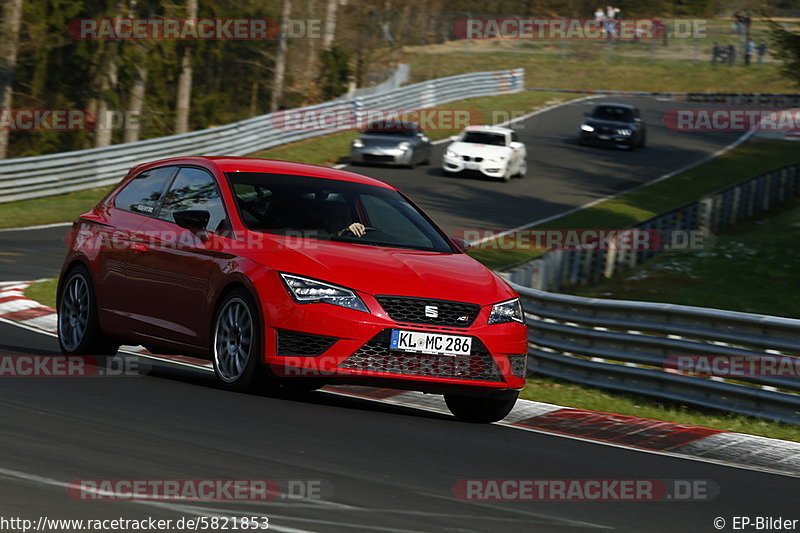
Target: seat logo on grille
<point>431,311</point>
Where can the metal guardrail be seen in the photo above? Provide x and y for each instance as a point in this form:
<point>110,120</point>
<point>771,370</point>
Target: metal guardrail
<point>771,99</point>
<point>555,270</point>
<point>47,175</point>
<point>624,345</point>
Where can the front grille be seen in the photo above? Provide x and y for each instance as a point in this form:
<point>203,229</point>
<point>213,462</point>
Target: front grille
<point>379,158</point>
<point>413,311</point>
<point>293,343</point>
<point>375,356</point>
<point>519,363</point>
<point>476,159</point>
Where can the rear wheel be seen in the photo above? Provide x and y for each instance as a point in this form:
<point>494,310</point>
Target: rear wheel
<point>78,326</point>
<point>236,345</point>
<point>481,409</point>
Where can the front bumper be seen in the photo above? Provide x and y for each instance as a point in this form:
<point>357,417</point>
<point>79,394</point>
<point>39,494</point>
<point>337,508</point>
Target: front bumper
<point>493,169</point>
<point>619,141</point>
<point>381,156</point>
<point>343,345</point>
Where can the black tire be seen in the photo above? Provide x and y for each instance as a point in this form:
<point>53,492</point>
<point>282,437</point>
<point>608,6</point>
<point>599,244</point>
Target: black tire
<point>78,325</point>
<point>236,345</point>
<point>644,141</point>
<point>301,385</point>
<point>481,409</point>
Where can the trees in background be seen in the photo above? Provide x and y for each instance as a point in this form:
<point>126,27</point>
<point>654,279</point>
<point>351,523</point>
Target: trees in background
<point>177,86</point>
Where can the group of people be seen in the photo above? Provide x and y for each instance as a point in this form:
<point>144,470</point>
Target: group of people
<point>611,18</point>
<point>726,55</point>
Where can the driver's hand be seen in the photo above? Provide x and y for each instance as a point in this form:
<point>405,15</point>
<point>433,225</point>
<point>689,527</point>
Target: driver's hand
<point>357,229</point>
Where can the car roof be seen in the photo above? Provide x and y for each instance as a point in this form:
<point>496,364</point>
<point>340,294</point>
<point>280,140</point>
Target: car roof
<point>491,129</point>
<point>614,104</point>
<point>270,166</point>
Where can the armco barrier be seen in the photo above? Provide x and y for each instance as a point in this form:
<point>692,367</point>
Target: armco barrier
<point>766,99</point>
<point>624,345</point>
<point>47,175</point>
<point>555,270</point>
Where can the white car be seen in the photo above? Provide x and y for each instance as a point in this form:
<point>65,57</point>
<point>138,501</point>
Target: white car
<point>494,151</point>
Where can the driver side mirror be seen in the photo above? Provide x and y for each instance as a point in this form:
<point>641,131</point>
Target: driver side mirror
<point>193,220</point>
<point>461,244</point>
<point>516,145</point>
<point>454,138</point>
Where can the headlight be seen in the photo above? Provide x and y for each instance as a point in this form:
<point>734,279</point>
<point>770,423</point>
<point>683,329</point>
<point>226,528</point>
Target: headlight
<point>508,311</point>
<point>450,153</point>
<point>624,131</point>
<point>358,143</point>
<point>587,127</point>
<point>306,290</point>
<point>403,145</point>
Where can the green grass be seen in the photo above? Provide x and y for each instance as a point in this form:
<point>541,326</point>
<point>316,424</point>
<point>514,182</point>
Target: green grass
<point>542,389</point>
<point>61,208</point>
<point>323,150</point>
<point>43,292</point>
<point>746,161</point>
<point>767,261</point>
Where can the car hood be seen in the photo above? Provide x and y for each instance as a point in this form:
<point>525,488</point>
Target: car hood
<point>385,141</point>
<point>392,271</point>
<point>480,150</point>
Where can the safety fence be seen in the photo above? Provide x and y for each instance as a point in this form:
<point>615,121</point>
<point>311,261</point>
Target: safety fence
<point>636,347</point>
<point>47,175</point>
<point>560,269</point>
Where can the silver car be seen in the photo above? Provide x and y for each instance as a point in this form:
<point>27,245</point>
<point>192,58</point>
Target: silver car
<point>391,143</point>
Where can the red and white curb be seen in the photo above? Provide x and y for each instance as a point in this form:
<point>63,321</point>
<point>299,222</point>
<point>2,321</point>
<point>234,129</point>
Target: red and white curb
<point>652,436</point>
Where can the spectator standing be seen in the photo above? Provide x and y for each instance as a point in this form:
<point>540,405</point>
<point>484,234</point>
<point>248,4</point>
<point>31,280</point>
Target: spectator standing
<point>731,54</point>
<point>762,51</point>
<point>716,51</point>
<point>749,48</point>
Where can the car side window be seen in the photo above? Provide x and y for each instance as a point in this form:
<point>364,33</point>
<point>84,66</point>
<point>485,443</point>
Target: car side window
<point>195,189</point>
<point>142,194</point>
<point>514,137</point>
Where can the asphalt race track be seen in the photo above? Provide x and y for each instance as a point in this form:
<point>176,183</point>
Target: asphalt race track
<point>385,468</point>
<point>389,468</point>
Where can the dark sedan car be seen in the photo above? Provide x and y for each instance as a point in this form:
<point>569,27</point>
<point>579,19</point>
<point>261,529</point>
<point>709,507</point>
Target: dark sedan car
<point>618,125</point>
<point>392,143</point>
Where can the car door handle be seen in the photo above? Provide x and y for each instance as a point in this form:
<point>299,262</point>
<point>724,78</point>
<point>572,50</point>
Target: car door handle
<point>138,248</point>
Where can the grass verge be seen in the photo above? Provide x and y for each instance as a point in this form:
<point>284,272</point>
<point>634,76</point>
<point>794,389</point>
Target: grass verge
<point>43,292</point>
<point>767,260</point>
<point>323,150</point>
<point>543,389</point>
<point>748,160</point>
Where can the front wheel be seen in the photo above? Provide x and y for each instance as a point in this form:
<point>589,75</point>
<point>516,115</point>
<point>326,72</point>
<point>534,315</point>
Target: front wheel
<point>78,325</point>
<point>236,345</point>
<point>481,409</point>
<point>523,169</point>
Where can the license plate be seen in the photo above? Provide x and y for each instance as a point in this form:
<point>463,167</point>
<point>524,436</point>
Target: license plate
<point>604,137</point>
<point>430,343</point>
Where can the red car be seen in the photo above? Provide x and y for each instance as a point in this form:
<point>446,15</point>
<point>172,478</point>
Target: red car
<point>290,275</point>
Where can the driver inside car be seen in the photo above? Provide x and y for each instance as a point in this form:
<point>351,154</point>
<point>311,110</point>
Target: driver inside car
<point>337,216</point>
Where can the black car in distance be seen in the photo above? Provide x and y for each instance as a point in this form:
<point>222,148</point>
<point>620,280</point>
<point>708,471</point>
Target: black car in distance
<point>617,125</point>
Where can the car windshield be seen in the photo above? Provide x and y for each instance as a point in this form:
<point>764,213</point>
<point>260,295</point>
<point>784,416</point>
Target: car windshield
<point>320,208</point>
<point>484,137</point>
<point>610,112</point>
<point>391,128</point>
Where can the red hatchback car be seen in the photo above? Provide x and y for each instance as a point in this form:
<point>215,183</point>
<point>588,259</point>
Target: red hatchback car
<point>290,275</point>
